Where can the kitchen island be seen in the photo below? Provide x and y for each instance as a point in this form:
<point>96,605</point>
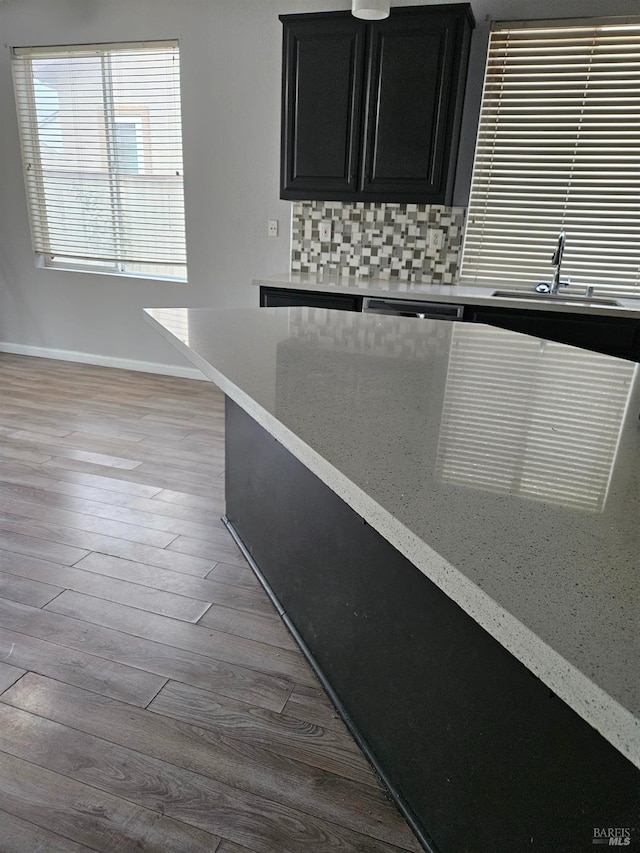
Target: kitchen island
<point>446,515</point>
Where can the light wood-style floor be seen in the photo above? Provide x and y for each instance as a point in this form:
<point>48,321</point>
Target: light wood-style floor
<point>150,697</point>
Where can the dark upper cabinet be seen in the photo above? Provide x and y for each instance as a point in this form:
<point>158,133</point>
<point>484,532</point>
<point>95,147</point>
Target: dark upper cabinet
<point>322,104</point>
<point>371,111</point>
<point>414,104</point>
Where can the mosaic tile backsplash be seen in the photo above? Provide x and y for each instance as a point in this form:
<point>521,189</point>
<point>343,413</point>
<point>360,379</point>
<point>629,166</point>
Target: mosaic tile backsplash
<point>386,241</point>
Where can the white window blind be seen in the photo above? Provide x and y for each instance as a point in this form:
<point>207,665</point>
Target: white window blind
<point>101,136</point>
<point>558,149</point>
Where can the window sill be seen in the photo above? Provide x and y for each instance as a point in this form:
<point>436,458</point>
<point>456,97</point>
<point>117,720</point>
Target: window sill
<point>102,271</point>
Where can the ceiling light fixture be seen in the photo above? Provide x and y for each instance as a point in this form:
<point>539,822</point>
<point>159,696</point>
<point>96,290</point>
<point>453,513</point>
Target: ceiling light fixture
<point>370,10</point>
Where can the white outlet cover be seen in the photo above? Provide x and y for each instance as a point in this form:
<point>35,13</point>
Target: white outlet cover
<point>325,232</point>
<point>272,227</point>
<point>434,239</point>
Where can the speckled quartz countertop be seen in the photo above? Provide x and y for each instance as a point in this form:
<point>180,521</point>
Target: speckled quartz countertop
<point>457,294</point>
<point>507,469</point>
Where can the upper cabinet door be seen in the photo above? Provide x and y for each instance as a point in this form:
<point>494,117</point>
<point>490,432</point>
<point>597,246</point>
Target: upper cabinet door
<point>372,111</point>
<point>416,69</point>
<point>323,67</point>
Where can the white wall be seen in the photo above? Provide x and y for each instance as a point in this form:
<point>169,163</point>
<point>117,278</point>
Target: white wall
<point>230,60</point>
<point>231,104</point>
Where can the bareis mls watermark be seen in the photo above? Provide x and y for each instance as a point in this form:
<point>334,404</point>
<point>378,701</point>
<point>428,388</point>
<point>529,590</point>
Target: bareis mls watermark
<point>612,836</point>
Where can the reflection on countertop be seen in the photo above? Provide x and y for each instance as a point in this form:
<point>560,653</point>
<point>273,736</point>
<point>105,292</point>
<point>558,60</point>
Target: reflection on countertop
<point>521,418</point>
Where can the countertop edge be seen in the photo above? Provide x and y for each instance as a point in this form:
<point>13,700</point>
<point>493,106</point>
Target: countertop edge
<point>614,722</point>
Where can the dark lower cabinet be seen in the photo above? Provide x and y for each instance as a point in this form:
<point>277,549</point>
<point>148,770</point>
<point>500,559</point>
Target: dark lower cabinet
<point>611,335</point>
<point>481,756</point>
<point>371,111</point>
<point>278,297</point>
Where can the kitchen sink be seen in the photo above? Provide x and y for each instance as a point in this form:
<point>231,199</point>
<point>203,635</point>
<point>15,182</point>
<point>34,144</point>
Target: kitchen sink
<point>573,298</point>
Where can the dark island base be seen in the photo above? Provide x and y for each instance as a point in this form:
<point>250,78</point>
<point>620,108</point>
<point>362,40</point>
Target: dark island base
<point>478,753</point>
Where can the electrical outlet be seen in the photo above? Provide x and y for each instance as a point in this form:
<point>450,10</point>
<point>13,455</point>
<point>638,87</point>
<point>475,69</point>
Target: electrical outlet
<point>434,239</point>
<point>325,232</point>
<point>272,227</point>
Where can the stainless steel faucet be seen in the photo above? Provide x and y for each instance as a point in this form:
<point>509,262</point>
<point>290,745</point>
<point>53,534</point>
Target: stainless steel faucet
<point>556,261</point>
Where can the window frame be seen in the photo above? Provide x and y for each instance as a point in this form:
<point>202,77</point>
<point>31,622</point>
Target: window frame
<point>108,115</point>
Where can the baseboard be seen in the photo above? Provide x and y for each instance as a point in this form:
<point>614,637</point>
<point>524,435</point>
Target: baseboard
<point>104,360</point>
